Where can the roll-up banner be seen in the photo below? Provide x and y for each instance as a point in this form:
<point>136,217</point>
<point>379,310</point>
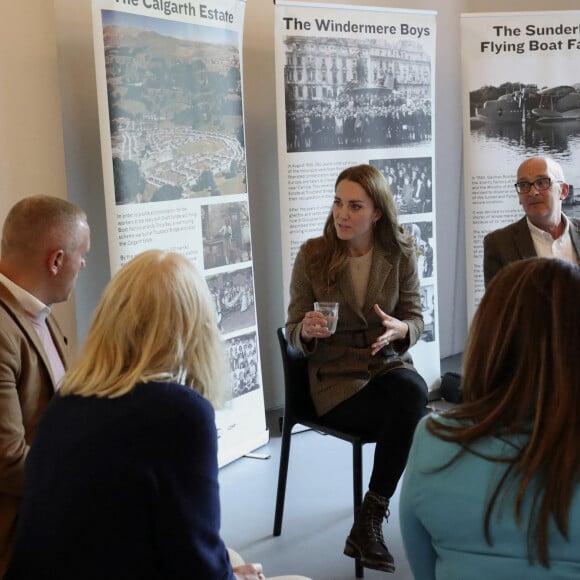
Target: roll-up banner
<point>169,82</point>
<point>356,84</point>
<point>521,98</point>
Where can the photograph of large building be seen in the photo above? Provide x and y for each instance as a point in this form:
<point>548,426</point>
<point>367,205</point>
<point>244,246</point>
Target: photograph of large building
<point>355,94</point>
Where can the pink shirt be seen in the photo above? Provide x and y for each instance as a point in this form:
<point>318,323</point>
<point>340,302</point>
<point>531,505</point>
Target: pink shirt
<point>37,312</point>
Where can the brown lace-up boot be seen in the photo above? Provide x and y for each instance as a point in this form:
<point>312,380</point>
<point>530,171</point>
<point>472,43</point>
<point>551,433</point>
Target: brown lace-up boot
<point>365,540</point>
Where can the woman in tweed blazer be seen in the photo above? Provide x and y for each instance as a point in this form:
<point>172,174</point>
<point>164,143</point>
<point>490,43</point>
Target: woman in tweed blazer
<point>360,376</point>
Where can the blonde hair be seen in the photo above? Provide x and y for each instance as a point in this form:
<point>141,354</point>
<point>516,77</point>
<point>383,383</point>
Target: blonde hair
<point>154,321</point>
<point>520,375</point>
<point>330,253</point>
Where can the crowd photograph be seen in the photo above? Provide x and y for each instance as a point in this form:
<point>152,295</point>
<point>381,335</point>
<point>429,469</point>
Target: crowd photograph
<point>348,94</point>
<point>233,296</point>
<point>411,182</point>
<point>243,356</point>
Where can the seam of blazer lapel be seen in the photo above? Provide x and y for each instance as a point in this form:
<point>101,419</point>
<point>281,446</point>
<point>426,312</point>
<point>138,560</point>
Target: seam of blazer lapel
<point>523,240</point>
<point>575,236</point>
<point>346,287</point>
<point>26,326</point>
<point>380,269</point>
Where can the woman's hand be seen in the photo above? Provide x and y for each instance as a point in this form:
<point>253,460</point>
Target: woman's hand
<point>314,326</point>
<point>249,572</point>
<point>394,330</point>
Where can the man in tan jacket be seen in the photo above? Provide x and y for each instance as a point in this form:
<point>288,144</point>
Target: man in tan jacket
<point>44,243</point>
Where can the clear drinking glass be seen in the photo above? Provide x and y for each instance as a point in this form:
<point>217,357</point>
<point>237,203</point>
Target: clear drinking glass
<point>330,311</point>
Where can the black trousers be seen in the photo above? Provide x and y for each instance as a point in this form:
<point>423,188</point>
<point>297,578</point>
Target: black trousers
<point>388,409</point>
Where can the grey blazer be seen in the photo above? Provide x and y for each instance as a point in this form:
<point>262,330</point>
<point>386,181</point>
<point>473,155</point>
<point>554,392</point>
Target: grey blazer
<point>341,365</point>
<point>514,242</point>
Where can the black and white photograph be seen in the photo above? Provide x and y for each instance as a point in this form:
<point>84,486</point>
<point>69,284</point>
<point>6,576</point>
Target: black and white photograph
<point>429,311</point>
<point>411,182</point>
<point>522,103</point>
<point>524,118</point>
<point>355,85</point>
<point>175,109</point>
<point>226,234</point>
<point>243,355</point>
<point>356,94</point>
<point>233,295</point>
<point>422,233</point>
<point>521,120</point>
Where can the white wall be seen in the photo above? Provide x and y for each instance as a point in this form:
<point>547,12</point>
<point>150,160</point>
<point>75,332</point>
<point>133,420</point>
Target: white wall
<point>32,138</point>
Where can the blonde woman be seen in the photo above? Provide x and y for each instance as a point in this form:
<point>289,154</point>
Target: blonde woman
<point>122,480</point>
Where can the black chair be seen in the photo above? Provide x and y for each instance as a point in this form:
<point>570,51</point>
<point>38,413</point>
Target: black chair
<point>451,387</point>
<point>299,409</point>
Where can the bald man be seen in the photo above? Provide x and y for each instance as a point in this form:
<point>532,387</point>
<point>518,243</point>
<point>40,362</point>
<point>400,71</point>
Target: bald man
<point>44,243</point>
<point>544,230</point>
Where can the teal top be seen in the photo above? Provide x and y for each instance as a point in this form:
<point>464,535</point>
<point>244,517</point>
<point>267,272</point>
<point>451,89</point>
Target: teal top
<point>442,517</point>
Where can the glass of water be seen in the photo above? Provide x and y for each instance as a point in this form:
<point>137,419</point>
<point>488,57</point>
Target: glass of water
<point>330,311</point>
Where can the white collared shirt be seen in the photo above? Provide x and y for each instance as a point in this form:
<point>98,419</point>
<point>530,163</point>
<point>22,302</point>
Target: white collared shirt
<point>546,246</point>
<point>30,303</point>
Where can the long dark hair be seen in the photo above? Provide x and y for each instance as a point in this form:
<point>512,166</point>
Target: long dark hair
<point>520,375</point>
<point>330,256</point>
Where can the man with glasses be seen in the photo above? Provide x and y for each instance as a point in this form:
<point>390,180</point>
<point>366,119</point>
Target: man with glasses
<point>544,230</point>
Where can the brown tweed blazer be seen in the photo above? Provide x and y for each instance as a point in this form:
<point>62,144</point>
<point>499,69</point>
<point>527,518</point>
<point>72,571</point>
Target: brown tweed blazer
<point>341,365</point>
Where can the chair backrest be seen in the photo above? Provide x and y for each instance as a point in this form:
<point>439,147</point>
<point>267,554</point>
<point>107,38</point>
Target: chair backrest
<point>298,402</point>
<point>451,387</point>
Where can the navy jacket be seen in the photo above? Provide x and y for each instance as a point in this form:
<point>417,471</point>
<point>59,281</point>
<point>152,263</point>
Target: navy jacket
<point>123,488</point>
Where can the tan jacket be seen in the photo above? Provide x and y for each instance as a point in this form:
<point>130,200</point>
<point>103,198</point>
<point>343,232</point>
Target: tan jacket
<point>341,365</point>
<point>26,386</point>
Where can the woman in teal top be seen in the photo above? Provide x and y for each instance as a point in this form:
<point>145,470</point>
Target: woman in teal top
<point>492,488</point>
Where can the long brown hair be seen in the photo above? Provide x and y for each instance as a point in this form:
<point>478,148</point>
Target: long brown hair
<point>520,376</point>
<point>330,256</point>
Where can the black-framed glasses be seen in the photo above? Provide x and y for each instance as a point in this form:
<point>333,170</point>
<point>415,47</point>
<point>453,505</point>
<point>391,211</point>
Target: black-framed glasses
<point>541,184</point>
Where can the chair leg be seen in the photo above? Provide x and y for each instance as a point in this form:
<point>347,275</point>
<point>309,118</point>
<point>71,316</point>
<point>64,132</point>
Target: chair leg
<point>282,475</point>
<point>357,487</point>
